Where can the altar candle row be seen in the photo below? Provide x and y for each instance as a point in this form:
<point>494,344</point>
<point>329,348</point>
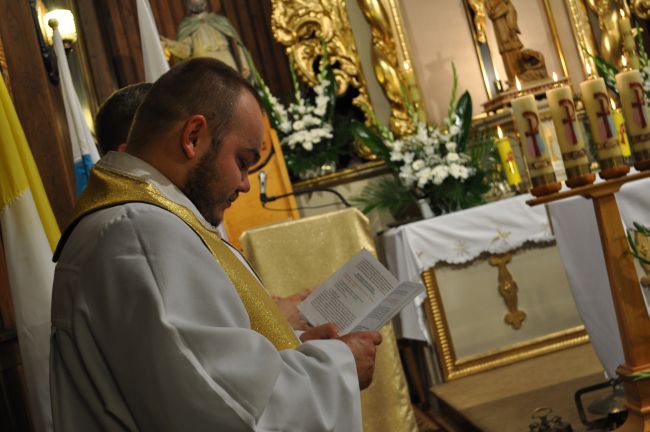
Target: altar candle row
<point>603,127</point>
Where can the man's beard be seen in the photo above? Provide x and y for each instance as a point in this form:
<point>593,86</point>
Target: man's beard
<point>197,186</point>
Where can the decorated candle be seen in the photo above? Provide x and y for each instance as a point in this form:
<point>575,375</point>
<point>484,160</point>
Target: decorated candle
<point>637,121</point>
<point>603,130</point>
<point>569,136</point>
<point>536,150</point>
<point>508,159</point>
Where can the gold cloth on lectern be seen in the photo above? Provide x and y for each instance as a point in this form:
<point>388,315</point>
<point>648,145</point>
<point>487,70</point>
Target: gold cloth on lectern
<point>292,256</point>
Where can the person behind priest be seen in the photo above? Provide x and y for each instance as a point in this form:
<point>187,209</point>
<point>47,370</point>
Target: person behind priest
<point>112,124</point>
<point>156,324</point>
<point>114,117</point>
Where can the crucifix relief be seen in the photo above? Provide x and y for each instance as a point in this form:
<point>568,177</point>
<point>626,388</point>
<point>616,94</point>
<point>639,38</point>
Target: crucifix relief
<point>569,121</point>
<point>604,116</point>
<point>533,141</point>
<point>639,104</point>
<point>508,290</point>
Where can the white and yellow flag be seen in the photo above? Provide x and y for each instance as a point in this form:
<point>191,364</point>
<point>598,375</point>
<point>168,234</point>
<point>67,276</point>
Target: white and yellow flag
<point>155,63</point>
<point>29,235</point>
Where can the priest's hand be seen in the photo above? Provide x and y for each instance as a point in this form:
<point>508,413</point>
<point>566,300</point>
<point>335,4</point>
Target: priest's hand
<point>289,308</point>
<point>324,331</point>
<point>364,348</point>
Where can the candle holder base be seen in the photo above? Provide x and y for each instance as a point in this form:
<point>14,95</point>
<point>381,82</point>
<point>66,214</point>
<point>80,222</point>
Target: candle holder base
<point>546,189</point>
<point>581,180</point>
<point>643,165</point>
<point>613,172</point>
<point>642,158</point>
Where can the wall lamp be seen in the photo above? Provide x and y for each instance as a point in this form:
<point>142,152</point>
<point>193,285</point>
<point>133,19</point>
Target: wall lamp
<point>65,21</point>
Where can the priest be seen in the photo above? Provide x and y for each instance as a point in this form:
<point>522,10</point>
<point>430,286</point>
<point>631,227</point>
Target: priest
<point>157,324</point>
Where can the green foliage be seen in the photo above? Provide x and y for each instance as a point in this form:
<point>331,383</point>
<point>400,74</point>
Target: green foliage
<point>464,115</point>
<point>387,193</point>
<point>453,195</point>
<point>604,69</point>
<point>482,149</point>
<point>643,55</point>
<point>357,130</point>
<point>630,239</point>
<point>452,101</point>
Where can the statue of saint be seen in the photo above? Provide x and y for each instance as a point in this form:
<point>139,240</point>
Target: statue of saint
<point>207,34</point>
<point>524,63</point>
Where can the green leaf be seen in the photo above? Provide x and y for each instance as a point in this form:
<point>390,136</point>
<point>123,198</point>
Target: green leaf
<point>607,72</point>
<point>369,137</point>
<point>454,88</point>
<point>643,55</point>
<point>386,193</point>
<point>464,113</point>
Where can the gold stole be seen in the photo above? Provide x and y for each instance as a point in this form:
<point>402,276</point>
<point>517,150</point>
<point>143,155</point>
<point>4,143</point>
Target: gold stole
<point>106,189</point>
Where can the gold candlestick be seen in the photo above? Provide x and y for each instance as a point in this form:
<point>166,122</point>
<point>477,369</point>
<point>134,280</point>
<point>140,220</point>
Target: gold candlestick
<point>536,150</point>
<point>569,136</point>
<point>603,130</point>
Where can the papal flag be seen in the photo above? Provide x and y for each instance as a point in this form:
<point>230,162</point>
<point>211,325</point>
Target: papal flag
<point>29,235</point>
<point>84,150</point>
<point>155,63</point>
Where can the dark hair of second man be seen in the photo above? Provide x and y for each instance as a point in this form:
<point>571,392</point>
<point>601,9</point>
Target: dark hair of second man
<point>115,116</point>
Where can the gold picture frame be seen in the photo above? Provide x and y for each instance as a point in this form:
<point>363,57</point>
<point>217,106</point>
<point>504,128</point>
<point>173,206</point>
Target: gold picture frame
<point>453,367</point>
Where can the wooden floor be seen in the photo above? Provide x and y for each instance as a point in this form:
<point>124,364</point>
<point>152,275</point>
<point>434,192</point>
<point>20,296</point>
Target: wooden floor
<point>501,400</point>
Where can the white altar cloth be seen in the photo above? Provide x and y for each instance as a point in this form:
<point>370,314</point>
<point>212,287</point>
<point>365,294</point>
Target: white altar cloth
<point>576,229</point>
<point>459,237</point>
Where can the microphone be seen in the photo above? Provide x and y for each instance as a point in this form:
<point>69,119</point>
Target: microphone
<point>265,199</point>
<point>262,178</point>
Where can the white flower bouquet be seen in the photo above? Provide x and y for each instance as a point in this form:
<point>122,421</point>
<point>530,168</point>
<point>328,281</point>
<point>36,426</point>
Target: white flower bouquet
<point>305,126</point>
<point>430,163</point>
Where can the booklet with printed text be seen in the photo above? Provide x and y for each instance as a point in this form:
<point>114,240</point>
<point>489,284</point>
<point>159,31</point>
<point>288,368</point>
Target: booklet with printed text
<point>361,295</point>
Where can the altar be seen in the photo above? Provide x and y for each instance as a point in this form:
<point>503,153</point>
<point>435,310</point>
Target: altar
<point>497,290</point>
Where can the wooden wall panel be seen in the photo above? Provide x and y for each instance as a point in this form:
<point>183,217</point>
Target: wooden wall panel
<point>252,19</point>
<point>39,105</point>
<point>96,49</point>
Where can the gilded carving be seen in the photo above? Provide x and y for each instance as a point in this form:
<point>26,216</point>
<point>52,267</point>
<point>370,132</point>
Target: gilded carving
<point>641,8</point>
<point>582,32</point>
<point>610,41</point>
<point>303,25</point>
<point>508,291</point>
<point>390,75</point>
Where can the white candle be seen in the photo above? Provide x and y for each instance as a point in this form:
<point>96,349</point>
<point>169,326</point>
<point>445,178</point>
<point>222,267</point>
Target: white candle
<point>601,124</point>
<point>637,120</point>
<point>563,113</point>
<point>536,150</point>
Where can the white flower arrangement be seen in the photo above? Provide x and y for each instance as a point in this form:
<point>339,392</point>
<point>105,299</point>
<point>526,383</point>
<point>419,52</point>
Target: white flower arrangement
<point>429,164</point>
<point>429,156</point>
<point>305,127</point>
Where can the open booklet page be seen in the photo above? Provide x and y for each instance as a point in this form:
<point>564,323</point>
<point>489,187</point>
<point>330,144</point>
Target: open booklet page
<point>361,295</point>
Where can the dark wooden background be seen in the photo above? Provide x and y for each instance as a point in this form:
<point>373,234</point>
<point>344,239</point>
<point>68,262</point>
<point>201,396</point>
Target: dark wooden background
<point>110,41</point>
